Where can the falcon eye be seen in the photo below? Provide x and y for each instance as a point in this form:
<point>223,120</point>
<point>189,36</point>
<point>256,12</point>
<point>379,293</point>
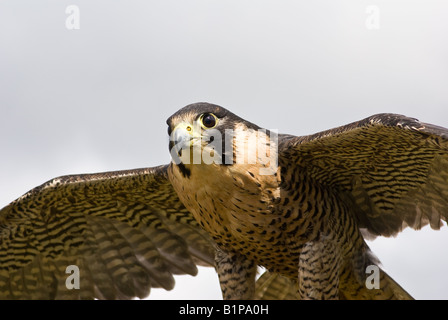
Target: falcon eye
<point>208,120</point>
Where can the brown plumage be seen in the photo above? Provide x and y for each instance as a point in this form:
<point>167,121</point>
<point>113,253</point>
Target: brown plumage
<point>305,221</point>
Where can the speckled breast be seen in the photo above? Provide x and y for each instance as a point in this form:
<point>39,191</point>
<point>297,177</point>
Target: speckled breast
<point>241,210</point>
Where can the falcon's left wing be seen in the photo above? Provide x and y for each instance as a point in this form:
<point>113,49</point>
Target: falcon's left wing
<point>390,169</point>
<point>124,231</point>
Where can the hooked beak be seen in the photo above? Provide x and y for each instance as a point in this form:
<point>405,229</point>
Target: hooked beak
<point>182,137</point>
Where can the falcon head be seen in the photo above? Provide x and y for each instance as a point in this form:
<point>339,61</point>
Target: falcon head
<point>207,134</point>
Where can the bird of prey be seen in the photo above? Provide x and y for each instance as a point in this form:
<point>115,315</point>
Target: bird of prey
<point>235,196</point>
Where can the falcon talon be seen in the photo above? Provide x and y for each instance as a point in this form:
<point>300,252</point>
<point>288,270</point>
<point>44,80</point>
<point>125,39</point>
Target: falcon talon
<point>304,218</point>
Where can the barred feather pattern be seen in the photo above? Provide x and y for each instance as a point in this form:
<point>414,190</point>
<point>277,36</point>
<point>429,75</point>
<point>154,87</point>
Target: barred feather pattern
<point>386,172</point>
<point>126,231</point>
<point>129,231</point>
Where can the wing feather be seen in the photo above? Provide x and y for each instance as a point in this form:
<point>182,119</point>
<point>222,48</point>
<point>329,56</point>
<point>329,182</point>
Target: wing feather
<point>126,231</point>
<point>392,170</point>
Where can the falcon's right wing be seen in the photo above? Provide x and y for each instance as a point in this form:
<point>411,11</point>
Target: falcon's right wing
<point>125,231</point>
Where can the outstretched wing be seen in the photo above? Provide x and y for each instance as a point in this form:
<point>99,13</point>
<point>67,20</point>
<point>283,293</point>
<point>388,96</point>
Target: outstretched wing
<point>392,170</point>
<point>124,232</point>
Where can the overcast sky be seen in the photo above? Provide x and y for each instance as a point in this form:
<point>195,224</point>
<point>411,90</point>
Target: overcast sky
<point>96,98</point>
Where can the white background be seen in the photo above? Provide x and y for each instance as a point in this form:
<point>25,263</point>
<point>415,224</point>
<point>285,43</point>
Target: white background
<point>96,99</point>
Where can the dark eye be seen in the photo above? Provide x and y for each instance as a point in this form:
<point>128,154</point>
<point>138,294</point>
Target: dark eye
<point>208,120</point>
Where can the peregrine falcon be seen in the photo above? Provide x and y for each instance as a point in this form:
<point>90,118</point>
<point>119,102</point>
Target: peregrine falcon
<point>235,196</point>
